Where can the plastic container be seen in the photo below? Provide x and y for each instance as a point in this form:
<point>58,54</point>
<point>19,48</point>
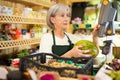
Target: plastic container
<point>38,59</point>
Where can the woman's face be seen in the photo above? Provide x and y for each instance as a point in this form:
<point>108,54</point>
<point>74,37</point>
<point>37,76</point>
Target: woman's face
<point>61,20</point>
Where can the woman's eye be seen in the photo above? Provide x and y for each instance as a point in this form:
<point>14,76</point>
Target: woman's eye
<point>68,15</point>
<point>65,15</point>
<point>62,15</point>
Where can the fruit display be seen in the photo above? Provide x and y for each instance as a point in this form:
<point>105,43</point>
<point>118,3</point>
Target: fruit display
<point>115,75</point>
<point>62,63</point>
<point>115,64</point>
<point>88,45</point>
<point>49,76</point>
<point>114,70</point>
<point>66,67</point>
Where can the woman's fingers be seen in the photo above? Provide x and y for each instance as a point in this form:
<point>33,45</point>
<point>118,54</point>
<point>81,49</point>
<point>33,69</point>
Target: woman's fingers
<point>80,46</point>
<point>81,53</point>
<point>87,55</point>
<point>85,51</point>
<point>84,55</point>
<point>97,27</point>
<point>95,31</point>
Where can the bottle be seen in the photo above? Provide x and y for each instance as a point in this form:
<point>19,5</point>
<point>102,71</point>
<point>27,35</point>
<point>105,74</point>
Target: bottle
<point>32,34</point>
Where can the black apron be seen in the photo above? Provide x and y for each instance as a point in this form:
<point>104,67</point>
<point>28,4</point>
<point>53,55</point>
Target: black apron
<point>61,49</point>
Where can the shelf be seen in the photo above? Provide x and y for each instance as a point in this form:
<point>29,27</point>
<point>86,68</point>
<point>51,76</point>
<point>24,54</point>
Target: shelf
<point>66,78</point>
<point>34,3</point>
<point>18,43</point>
<point>18,19</point>
<point>80,1</point>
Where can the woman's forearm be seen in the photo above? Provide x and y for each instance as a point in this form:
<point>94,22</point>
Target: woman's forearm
<point>95,41</point>
<point>67,54</point>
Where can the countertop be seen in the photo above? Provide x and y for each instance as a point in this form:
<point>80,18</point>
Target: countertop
<point>101,75</point>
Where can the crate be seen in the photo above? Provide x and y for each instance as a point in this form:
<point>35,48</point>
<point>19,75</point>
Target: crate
<point>38,60</point>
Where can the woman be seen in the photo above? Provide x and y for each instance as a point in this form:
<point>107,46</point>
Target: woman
<point>58,41</point>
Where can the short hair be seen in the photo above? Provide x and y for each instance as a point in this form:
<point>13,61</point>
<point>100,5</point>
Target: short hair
<point>52,13</point>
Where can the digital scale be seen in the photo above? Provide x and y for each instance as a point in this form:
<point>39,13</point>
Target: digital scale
<point>106,26</point>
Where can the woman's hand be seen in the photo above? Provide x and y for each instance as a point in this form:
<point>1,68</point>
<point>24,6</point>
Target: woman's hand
<point>76,52</point>
<point>95,35</point>
<point>95,31</point>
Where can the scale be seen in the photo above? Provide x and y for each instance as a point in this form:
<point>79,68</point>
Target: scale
<point>106,29</point>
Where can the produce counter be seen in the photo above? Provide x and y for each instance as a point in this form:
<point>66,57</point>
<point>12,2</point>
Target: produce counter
<point>35,58</point>
<point>101,75</point>
<point>64,78</point>
<point>109,71</point>
<point>30,66</point>
<point>16,71</point>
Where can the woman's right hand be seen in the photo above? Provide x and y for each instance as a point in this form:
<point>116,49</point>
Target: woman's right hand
<point>76,52</point>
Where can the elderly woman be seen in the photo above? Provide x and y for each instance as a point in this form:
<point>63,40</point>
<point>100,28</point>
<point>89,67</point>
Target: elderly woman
<point>58,41</point>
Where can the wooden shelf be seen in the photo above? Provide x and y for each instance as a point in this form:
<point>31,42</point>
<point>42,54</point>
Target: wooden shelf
<point>23,20</point>
<point>64,78</point>
<point>80,1</point>
<point>18,19</point>
<point>33,3</point>
<point>18,43</point>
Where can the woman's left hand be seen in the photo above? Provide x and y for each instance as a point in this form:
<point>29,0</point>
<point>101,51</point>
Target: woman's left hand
<point>95,31</point>
<point>95,35</point>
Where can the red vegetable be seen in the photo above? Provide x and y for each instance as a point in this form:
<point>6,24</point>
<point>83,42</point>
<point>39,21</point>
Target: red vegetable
<point>47,77</point>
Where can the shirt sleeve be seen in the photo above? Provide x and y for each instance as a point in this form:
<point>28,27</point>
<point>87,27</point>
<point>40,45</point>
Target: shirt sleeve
<point>45,44</point>
<point>73,38</point>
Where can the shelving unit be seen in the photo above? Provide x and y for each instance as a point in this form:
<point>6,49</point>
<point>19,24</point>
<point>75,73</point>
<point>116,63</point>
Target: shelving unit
<point>23,20</point>
<point>80,0</point>
<point>33,3</point>
<point>18,43</point>
<point>19,19</point>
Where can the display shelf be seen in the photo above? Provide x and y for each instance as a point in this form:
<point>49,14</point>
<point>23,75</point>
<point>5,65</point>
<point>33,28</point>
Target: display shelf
<point>34,3</point>
<point>65,78</point>
<point>80,1</point>
<point>18,43</point>
<point>19,19</point>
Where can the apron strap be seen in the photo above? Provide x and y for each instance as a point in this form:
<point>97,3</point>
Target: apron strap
<point>65,34</point>
<point>68,39</point>
<point>53,38</point>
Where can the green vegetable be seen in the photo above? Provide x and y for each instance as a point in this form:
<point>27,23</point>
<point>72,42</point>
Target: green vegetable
<point>60,60</point>
<point>88,45</point>
<point>23,53</point>
<point>77,64</point>
<point>69,62</point>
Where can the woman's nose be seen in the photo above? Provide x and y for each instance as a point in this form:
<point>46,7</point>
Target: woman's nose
<point>66,18</point>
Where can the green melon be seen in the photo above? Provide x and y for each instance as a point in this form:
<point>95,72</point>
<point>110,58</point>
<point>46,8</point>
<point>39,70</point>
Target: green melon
<point>88,45</point>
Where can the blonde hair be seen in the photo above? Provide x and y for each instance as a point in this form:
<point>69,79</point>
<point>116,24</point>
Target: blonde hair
<point>52,13</point>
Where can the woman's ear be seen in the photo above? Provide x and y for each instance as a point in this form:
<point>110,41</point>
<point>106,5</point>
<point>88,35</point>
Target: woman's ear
<point>52,19</point>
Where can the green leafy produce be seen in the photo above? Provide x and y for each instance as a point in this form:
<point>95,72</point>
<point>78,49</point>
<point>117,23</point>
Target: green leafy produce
<point>23,53</point>
<point>88,45</point>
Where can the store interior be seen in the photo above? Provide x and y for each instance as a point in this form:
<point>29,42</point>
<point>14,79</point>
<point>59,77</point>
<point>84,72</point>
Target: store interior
<point>23,23</point>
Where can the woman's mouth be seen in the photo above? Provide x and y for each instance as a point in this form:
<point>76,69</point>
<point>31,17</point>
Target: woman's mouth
<point>65,23</point>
